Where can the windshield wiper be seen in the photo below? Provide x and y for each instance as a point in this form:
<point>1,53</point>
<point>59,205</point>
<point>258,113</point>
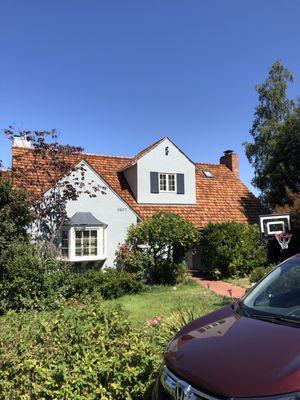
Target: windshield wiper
<point>275,318</point>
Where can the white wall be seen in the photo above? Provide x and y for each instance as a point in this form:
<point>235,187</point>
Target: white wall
<point>175,162</point>
<point>131,177</point>
<point>107,208</point>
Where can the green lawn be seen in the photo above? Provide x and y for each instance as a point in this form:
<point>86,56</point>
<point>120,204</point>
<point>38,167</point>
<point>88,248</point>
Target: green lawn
<point>163,300</point>
<point>242,282</point>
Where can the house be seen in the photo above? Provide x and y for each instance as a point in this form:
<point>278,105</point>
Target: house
<point>159,178</point>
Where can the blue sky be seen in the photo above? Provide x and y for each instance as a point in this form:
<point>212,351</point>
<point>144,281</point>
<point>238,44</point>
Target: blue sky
<point>115,75</point>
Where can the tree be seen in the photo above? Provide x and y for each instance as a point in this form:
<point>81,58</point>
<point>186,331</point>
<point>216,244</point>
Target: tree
<point>15,215</point>
<point>164,238</point>
<point>285,164</point>
<point>273,109</point>
<point>56,177</point>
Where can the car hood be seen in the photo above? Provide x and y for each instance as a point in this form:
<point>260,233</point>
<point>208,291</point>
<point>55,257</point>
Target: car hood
<point>235,356</point>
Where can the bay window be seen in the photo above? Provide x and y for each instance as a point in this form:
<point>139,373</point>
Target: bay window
<point>83,239</point>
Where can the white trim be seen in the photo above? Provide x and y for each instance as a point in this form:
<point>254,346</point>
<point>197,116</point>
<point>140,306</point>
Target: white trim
<point>275,223</point>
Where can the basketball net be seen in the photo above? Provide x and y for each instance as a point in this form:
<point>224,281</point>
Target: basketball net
<point>284,239</point>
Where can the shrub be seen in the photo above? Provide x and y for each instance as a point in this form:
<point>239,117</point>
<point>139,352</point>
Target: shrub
<point>137,262</point>
<point>158,245</point>
<point>109,283</point>
<point>259,272</point>
<point>30,278</point>
<point>232,248</point>
<point>168,273</point>
<point>81,351</point>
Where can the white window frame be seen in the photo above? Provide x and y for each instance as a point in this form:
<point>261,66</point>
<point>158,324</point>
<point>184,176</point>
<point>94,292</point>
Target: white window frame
<point>167,174</point>
<point>101,244</point>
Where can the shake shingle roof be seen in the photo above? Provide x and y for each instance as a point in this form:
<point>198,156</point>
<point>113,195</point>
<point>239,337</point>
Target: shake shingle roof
<point>222,198</point>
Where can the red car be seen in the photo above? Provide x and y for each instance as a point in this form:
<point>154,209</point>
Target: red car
<point>247,350</point>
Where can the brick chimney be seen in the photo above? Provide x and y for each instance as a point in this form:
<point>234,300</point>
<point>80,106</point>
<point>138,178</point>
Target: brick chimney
<point>230,159</point>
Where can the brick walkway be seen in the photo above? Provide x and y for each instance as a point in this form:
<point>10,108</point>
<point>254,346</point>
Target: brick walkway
<point>222,288</point>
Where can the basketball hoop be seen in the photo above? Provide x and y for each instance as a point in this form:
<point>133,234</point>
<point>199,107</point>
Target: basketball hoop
<point>284,239</point>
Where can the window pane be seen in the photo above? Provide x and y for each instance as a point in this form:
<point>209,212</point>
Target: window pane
<point>162,182</point>
<point>64,252</point>
<point>78,251</point>
<point>64,244</point>
<point>86,234</point>
<point>94,233</point>
<point>93,251</point>
<point>78,234</point>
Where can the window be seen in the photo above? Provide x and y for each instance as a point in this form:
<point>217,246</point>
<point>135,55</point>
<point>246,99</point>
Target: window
<point>208,173</point>
<point>167,182</point>
<point>64,247</point>
<point>86,242</point>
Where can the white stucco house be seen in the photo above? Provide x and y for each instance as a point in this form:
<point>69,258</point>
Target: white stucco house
<point>160,177</point>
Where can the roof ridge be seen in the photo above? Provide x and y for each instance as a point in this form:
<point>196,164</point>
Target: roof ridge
<point>83,153</point>
<point>207,163</point>
<point>106,155</point>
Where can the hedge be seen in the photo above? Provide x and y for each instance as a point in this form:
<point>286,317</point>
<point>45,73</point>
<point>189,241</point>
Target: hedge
<point>81,351</point>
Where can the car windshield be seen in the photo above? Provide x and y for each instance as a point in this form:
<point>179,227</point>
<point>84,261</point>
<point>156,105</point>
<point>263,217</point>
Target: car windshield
<point>278,294</point>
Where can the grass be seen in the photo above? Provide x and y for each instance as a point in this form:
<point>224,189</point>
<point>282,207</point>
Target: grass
<point>242,282</point>
<point>163,300</point>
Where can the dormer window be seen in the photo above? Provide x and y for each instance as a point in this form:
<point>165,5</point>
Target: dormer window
<point>167,182</point>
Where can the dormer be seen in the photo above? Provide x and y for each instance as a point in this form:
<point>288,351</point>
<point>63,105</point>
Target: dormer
<point>162,174</point>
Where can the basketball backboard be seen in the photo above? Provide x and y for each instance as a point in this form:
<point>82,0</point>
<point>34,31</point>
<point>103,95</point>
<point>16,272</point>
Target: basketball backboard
<point>274,224</point>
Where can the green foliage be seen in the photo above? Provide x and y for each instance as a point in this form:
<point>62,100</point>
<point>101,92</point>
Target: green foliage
<point>136,262</point>
<point>259,272</point>
<point>30,278</point>
<point>168,273</point>
<point>232,248</point>
<point>81,351</point>
<point>164,238</point>
<point>14,213</point>
<point>285,163</point>
<point>109,284</point>
<point>273,109</point>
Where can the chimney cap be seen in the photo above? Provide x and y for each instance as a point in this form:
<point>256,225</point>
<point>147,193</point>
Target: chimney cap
<point>228,151</point>
<point>21,141</point>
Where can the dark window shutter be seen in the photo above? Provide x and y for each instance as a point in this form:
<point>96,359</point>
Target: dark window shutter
<point>180,183</point>
<point>154,182</point>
